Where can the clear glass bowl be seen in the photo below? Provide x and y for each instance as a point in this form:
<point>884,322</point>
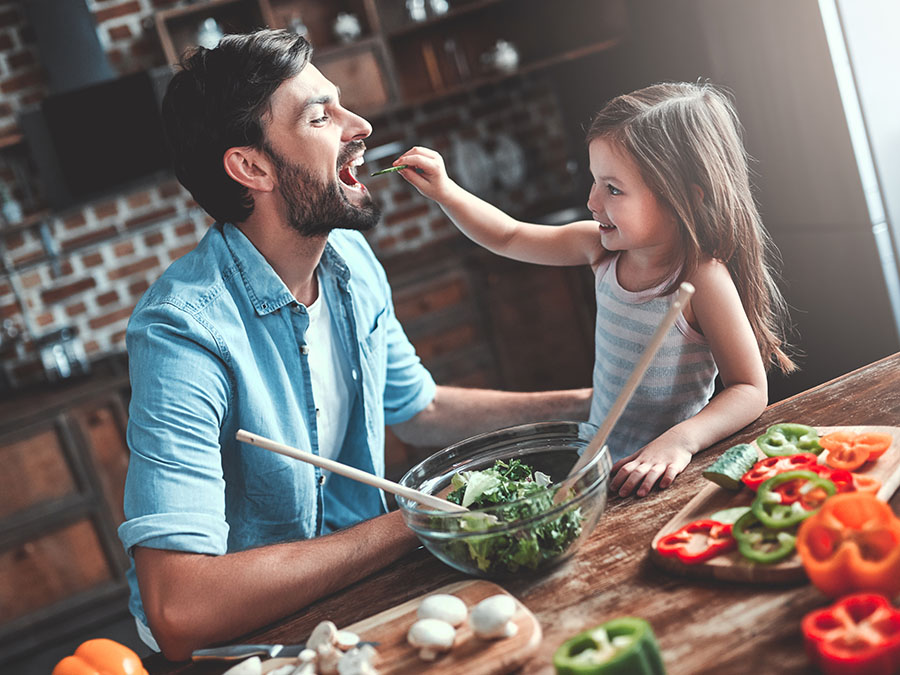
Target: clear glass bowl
<point>522,536</point>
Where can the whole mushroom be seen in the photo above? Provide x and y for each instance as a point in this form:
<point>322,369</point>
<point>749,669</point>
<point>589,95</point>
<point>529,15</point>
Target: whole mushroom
<point>492,617</point>
<point>432,637</point>
<point>445,607</point>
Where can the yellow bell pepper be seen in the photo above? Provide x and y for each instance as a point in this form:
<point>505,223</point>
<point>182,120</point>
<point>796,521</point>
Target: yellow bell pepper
<point>101,657</point>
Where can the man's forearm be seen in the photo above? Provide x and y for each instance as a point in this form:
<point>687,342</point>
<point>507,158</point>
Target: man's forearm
<point>195,600</point>
<point>457,413</point>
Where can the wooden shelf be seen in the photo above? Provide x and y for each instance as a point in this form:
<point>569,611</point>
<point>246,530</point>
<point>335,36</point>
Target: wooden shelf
<point>423,26</point>
<point>177,26</point>
<point>480,81</point>
<point>400,63</point>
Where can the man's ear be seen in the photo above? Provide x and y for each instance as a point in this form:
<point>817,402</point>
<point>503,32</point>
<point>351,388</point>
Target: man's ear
<point>249,167</point>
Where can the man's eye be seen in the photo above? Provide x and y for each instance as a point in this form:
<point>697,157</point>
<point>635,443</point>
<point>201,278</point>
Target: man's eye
<point>613,190</point>
<point>320,120</point>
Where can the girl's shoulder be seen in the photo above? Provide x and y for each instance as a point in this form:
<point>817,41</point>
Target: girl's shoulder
<point>711,275</point>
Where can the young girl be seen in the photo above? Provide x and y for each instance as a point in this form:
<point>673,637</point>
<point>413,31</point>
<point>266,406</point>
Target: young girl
<point>671,202</point>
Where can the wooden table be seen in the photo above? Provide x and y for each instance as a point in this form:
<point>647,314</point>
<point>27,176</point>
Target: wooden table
<point>701,626</point>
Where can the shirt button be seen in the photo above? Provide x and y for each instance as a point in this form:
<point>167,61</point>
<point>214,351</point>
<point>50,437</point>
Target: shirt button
<point>353,374</point>
<point>304,349</point>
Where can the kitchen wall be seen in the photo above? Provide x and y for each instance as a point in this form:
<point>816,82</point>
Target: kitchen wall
<point>108,252</point>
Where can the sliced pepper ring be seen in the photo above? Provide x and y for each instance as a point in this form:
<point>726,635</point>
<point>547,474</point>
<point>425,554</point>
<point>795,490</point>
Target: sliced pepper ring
<point>759,543</point>
<point>849,450</point>
<point>770,467</point>
<point>785,439</point>
<point>772,511</point>
<point>682,544</point>
<point>858,634</point>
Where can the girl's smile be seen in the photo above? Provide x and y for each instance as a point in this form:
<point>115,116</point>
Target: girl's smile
<point>629,214</point>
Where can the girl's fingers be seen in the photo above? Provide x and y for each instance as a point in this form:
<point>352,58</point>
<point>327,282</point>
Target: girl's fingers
<point>622,462</point>
<point>668,478</point>
<point>620,474</point>
<point>634,478</point>
<point>650,479</point>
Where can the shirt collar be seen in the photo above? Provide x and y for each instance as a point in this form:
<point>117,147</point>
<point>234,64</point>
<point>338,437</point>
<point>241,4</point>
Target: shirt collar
<point>267,291</point>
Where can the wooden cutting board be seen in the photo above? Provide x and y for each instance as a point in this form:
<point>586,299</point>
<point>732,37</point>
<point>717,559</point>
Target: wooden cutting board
<point>733,566</point>
<point>470,655</point>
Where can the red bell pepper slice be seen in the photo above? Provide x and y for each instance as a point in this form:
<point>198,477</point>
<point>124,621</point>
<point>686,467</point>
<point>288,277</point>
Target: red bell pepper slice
<point>849,450</point>
<point>858,635</point>
<point>769,467</point>
<point>714,538</point>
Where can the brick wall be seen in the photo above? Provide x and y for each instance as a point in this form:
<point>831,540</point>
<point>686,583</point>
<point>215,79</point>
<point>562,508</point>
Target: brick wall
<point>107,253</point>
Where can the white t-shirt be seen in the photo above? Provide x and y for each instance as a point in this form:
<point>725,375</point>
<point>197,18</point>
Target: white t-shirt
<point>330,375</point>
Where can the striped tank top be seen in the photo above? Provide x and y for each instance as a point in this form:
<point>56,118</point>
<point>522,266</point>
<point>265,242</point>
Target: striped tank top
<point>677,385</point>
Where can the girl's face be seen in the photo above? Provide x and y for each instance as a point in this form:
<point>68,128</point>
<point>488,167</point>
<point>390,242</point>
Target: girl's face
<point>628,212</point>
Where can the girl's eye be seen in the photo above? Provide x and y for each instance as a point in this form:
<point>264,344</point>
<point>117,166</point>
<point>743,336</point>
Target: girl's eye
<point>613,190</point>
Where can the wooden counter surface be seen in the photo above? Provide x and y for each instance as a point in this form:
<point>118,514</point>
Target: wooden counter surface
<point>702,626</point>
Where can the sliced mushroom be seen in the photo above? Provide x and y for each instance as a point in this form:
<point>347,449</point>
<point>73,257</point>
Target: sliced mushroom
<point>358,661</point>
<point>328,657</point>
<point>307,656</point>
<point>491,618</point>
<point>445,607</point>
<point>323,634</point>
<point>345,639</point>
<point>432,637</point>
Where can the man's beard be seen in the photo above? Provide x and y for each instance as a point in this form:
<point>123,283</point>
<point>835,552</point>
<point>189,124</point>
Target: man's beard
<point>314,208</point>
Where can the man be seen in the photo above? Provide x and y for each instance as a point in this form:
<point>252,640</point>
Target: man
<point>279,322</point>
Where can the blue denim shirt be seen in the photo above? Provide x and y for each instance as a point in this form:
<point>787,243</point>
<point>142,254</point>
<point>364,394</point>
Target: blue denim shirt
<point>217,344</point>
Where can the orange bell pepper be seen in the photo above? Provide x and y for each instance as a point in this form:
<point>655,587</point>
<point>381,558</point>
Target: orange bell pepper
<point>864,483</point>
<point>852,544</point>
<point>101,657</point>
<point>848,450</point>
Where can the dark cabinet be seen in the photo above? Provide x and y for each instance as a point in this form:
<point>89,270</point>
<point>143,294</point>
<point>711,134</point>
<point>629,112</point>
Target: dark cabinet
<point>387,54</point>
<point>61,564</point>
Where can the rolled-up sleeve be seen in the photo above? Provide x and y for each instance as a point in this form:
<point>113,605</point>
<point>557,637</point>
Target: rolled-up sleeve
<point>409,387</point>
<point>175,491</point>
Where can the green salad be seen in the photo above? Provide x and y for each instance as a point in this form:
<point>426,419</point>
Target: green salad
<point>509,551</point>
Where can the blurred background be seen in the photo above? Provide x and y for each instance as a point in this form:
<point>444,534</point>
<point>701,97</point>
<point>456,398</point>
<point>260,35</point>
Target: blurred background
<point>90,214</point>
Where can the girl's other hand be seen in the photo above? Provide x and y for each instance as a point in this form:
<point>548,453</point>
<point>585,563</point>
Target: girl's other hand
<point>656,461</point>
<point>426,173</point>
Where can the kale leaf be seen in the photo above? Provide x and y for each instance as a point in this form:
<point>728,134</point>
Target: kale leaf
<point>508,552</point>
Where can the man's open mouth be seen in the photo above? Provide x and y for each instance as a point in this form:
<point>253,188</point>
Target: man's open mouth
<point>347,174</point>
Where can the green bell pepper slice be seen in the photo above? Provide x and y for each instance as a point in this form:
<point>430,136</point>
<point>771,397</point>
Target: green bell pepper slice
<point>762,544</point>
<point>770,510</point>
<point>623,646</point>
<point>781,440</point>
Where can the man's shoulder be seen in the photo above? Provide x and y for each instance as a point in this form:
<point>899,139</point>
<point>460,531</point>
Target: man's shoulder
<point>192,281</point>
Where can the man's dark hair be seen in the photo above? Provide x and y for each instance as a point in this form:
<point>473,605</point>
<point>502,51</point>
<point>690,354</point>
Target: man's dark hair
<point>216,101</point>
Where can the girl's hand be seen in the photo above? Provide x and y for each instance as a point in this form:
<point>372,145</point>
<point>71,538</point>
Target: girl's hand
<point>426,173</point>
<point>657,461</point>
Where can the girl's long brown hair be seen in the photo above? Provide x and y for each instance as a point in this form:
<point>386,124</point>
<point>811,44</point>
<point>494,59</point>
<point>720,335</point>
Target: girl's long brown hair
<point>684,136</point>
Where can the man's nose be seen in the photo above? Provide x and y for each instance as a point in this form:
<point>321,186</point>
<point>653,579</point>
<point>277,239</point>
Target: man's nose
<point>356,127</point>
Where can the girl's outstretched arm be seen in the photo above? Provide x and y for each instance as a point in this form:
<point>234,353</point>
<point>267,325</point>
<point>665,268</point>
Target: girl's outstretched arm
<point>574,244</point>
<point>720,316</point>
